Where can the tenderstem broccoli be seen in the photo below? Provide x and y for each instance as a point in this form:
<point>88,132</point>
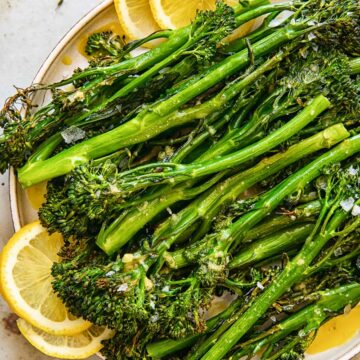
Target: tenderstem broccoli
<point>126,271</point>
<point>204,169</point>
<point>333,221</point>
<point>154,121</point>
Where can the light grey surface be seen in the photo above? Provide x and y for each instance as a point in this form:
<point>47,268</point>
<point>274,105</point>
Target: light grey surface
<point>29,30</point>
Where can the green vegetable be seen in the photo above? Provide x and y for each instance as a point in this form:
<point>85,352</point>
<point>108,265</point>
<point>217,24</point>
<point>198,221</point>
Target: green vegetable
<point>165,114</point>
<point>204,169</point>
<point>332,219</point>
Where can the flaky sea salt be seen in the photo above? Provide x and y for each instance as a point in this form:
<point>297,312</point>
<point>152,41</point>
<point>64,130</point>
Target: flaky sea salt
<point>311,36</point>
<point>260,285</point>
<point>347,204</point>
<point>72,134</point>
<point>123,287</point>
<point>280,18</point>
<point>154,318</point>
<point>355,210</point>
<point>352,171</point>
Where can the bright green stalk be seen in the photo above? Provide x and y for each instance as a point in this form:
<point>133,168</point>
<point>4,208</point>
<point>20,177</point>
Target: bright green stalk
<point>235,234</point>
<point>121,231</point>
<point>245,104</point>
<point>175,39</point>
<point>112,244</point>
<point>163,198</point>
<point>179,41</point>
<point>294,183</point>
<point>328,303</point>
<point>302,213</point>
<point>149,124</point>
<point>207,206</point>
<point>47,147</point>
<point>134,180</point>
<point>355,66</point>
<point>311,318</point>
<point>293,273</point>
<point>273,245</point>
<point>262,31</point>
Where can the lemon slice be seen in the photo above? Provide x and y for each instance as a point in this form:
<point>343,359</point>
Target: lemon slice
<point>36,194</point>
<point>136,18</point>
<point>170,14</point>
<point>25,274</point>
<point>79,346</point>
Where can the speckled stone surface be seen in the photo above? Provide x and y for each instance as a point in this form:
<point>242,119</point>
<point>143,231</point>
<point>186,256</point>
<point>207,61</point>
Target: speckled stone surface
<point>29,30</point>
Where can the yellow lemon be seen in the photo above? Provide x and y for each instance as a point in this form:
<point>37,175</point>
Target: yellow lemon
<point>25,277</point>
<point>170,14</point>
<point>36,194</point>
<point>136,18</point>
<point>79,346</point>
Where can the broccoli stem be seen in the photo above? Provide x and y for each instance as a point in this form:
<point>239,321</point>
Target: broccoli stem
<point>328,303</point>
<point>235,233</point>
<point>262,31</point>
<point>294,183</point>
<point>303,213</point>
<point>134,180</point>
<point>175,39</point>
<point>122,230</point>
<point>208,205</point>
<point>149,124</point>
<point>154,67</point>
<point>112,243</point>
<point>355,66</point>
<point>311,318</point>
<point>47,147</point>
<point>163,198</point>
<point>293,273</point>
<point>167,347</point>
<point>275,244</point>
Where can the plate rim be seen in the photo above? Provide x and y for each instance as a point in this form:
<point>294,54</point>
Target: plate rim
<point>44,68</point>
<point>13,183</point>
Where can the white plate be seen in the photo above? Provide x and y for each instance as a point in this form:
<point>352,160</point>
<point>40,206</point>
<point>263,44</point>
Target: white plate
<point>53,70</point>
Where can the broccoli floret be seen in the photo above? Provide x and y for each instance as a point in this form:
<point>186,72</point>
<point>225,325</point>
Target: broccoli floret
<point>106,43</point>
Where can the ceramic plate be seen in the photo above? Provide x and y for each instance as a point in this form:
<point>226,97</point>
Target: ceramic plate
<point>60,63</point>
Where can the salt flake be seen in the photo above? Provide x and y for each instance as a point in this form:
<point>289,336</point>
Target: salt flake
<point>311,36</point>
<point>154,318</point>
<point>347,204</point>
<point>72,134</point>
<point>123,287</point>
<point>352,171</point>
<point>260,285</point>
<point>355,210</point>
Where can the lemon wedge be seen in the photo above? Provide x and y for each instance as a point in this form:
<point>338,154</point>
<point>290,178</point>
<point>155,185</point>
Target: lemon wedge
<point>79,346</point>
<point>25,277</point>
<point>136,18</point>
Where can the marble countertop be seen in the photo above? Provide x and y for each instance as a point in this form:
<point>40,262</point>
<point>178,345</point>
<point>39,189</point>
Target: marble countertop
<point>29,30</point>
